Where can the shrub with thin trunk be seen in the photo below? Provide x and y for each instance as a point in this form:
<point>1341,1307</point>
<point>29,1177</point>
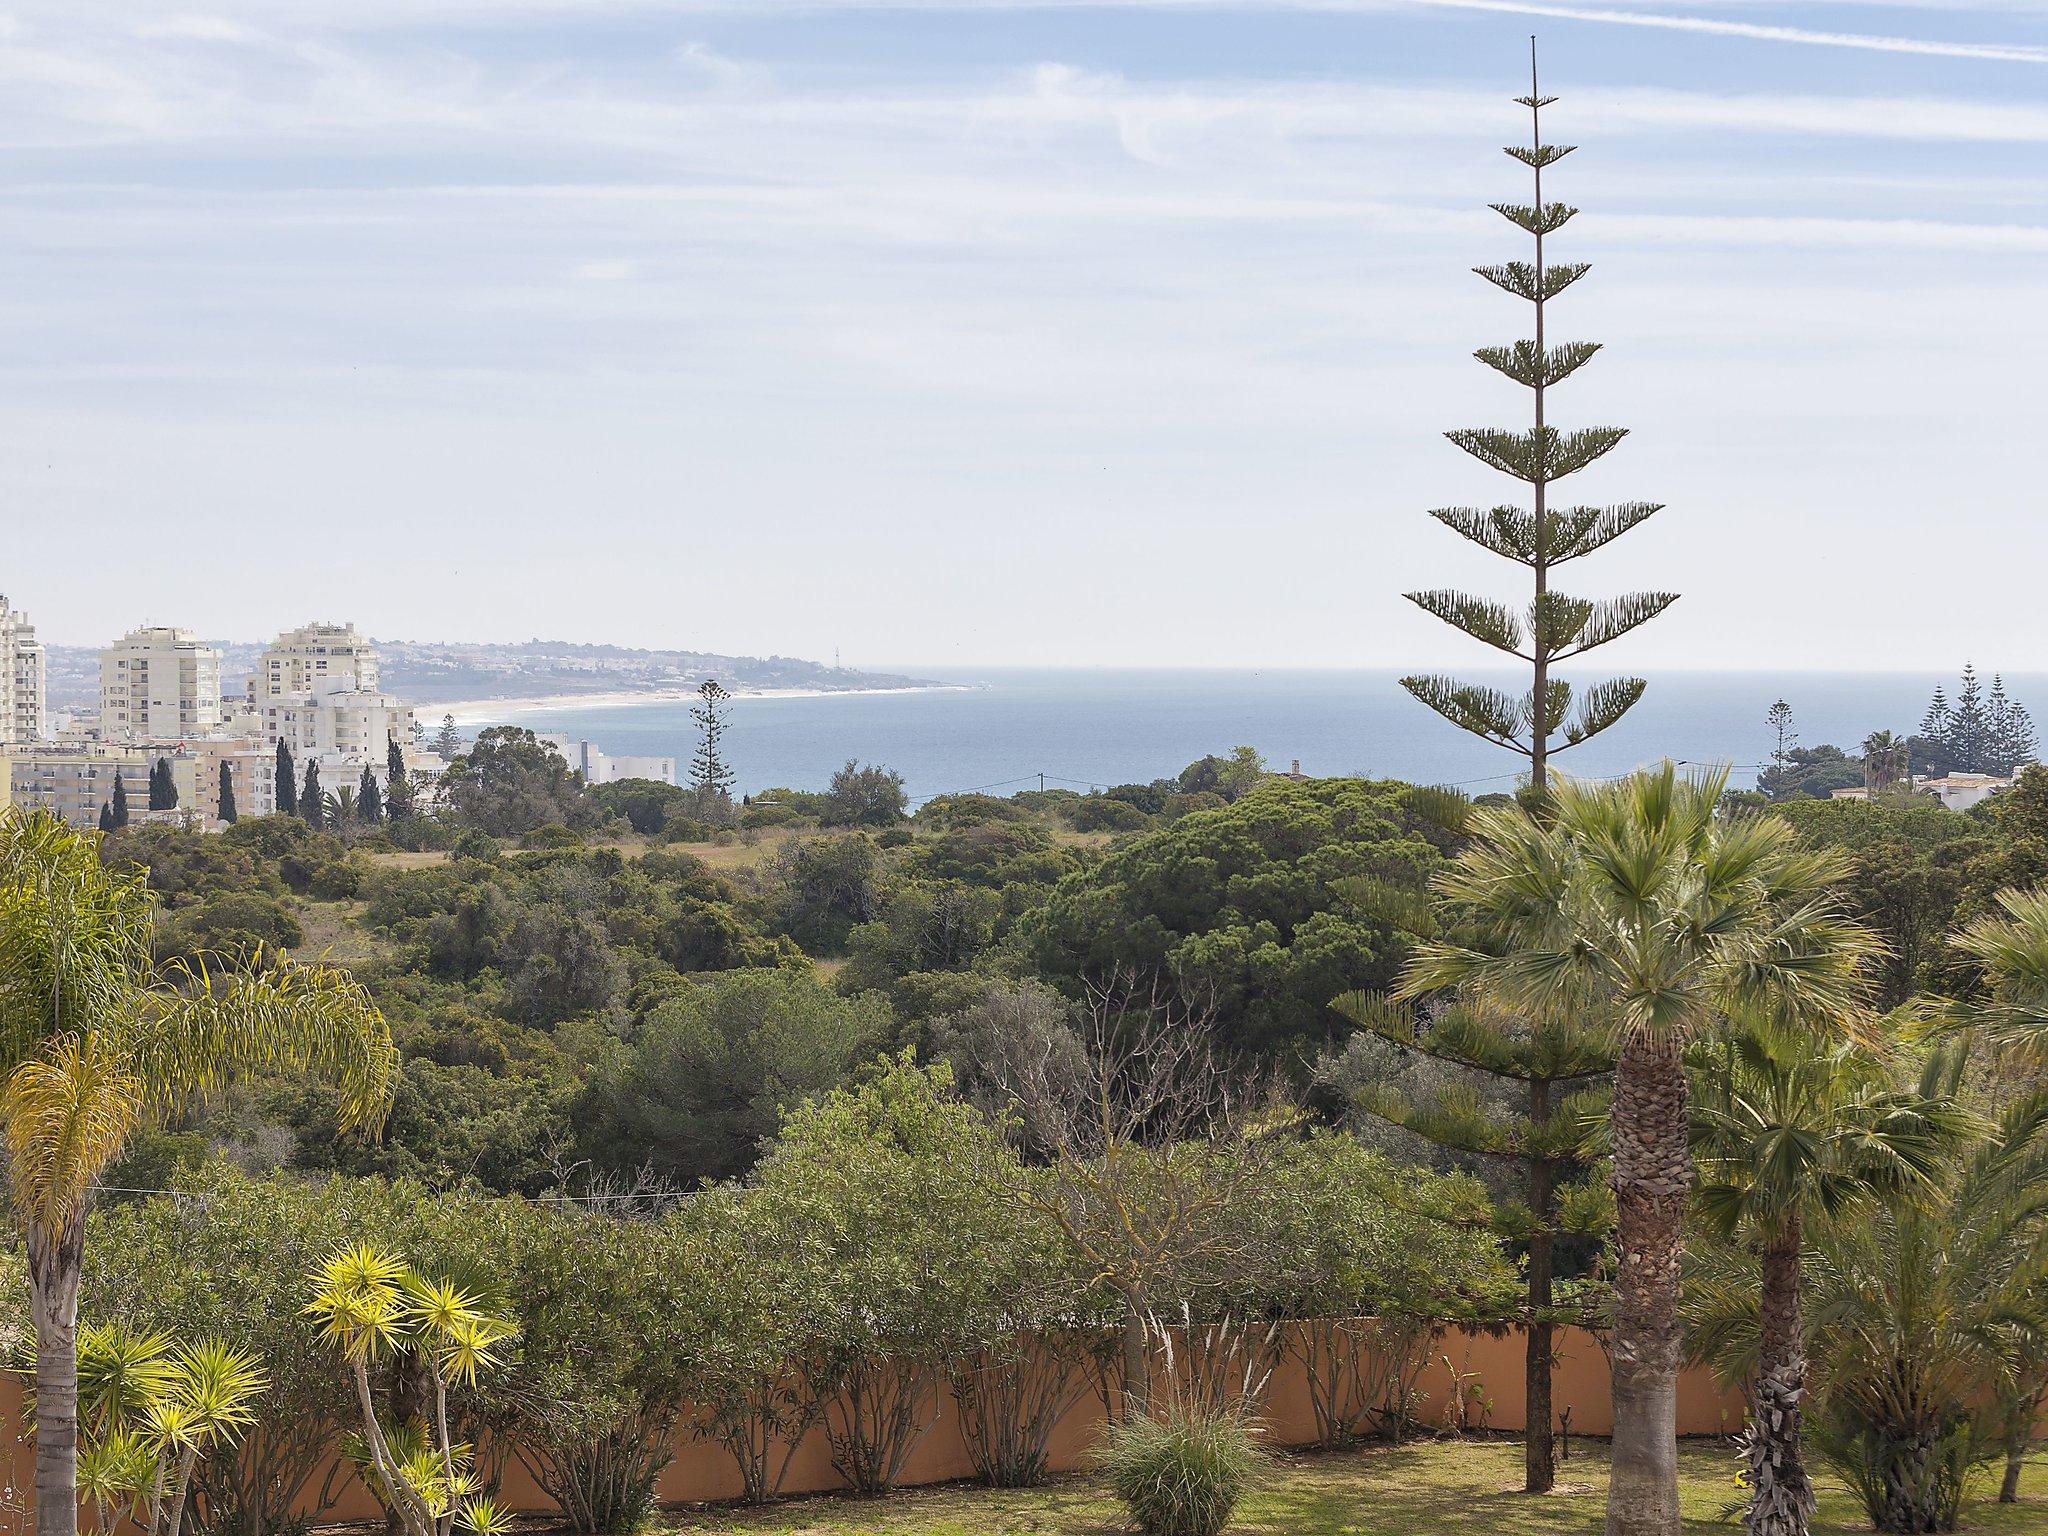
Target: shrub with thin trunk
<point>1181,1474</point>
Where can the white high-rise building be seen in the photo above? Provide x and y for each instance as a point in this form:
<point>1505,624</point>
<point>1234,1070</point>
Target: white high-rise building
<point>335,721</point>
<point>301,659</point>
<point>21,678</point>
<point>159,684</point>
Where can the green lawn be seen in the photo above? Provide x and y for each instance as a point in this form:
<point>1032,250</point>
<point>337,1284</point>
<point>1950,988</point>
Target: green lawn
<point>1450,1489</point>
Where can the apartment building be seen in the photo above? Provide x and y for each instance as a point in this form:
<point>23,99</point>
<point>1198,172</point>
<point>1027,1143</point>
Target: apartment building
<point>22,698</point>
<point>299,660</point>
<point>338,721</point>
<point>159,684</point>
<point>252,771</point>
<point>76,779</point>
<point>599,767</point>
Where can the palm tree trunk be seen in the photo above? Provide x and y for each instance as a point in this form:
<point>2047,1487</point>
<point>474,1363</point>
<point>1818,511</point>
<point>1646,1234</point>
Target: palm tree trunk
<point>1780,1493</point>
<point>1652,1174</point>
<point>54,1260</point>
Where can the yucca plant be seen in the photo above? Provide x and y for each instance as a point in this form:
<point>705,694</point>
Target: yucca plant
<point>98,1038</point>
<point>151,1409</point>
<point>371,1306</point>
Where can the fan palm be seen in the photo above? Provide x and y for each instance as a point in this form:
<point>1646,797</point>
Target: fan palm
<point>1786,1130</point>
<point>95,1039</point>
<point>1634,907</point>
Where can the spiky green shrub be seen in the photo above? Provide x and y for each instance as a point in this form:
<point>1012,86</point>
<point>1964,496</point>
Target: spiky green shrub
<point>1181,1475</point>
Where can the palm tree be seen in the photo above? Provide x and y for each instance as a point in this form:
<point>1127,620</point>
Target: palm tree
<point>96,1038</point>
<point>1926,1317</point>
<point>1788,1130</point>
<point>1637,909</point>
<point>1884,762</point>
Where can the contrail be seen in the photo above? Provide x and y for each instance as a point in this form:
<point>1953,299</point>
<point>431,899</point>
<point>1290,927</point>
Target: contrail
<point>2015,53</point>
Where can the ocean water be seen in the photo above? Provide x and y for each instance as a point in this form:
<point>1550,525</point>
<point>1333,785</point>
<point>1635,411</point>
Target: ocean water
<point>1083,728</point>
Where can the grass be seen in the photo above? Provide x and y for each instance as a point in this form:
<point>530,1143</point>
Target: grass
<point>1460,1488</point>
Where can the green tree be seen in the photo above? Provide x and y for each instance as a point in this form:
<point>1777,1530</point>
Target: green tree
<point>1789,1132</point>
<point>98,1040</point>
<point>511,782</point>
<point>1556,627</point>
<point>369,805</point>
<point>901,1196</point>
<point>163,790</point>
<point>312,803</point>
<point>710,774</point>
<point>397,782</point>
<point>710,1072</point>
<point>858,796</point>
<point>1244,904</point>
<point>1552,1063</point>
<point>448,740</point>
<point>1784,737</point>
<point>117,816</point>
<point>287,781</point>
<point>106,818</point>
<point>227,795</point>
<point>1640,910</point>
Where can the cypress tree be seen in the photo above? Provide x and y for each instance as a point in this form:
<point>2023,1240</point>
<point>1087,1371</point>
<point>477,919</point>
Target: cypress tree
<point>1555,627</point>
<point>1545,1058</point>
<point>119,814</point>
<point>106,817</point>
<point>398,789</point>
<point>709,772</point>
<point>163,789</point>
<point>309,795</point>
<point>287,781</point>
<point>369,803</point>
<point>227,795</point>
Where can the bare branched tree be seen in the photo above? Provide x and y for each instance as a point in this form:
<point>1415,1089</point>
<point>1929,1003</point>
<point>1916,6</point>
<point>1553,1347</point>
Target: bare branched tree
<point>1141,1136</point>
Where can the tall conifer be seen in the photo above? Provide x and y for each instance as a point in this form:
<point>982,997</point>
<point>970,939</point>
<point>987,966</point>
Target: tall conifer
<point>287,781</point>
<point>710,774</point>
<point>369,800</point>
<point>1545,1059</point>
<point>227,795</point>
<point>310,806</point>
<point>398,788</point>
<point>119,814</point>
<point>1555,627</point>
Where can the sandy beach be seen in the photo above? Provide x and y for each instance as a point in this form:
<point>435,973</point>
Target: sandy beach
<point>469,712</point>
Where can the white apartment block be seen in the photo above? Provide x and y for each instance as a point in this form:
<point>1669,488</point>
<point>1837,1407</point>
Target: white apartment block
<point>22,701</point>
<point>76,779</point>
<point>337,721</point>
<point>602,768</point>
<point>159,684</point>
<point>300,660</point>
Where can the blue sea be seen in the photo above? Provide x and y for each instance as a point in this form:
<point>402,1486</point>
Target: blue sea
<point>1001,729</point>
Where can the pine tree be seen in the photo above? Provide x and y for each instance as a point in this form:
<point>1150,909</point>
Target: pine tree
<point>710,775</point>
<point>1968,733</point>
<point>1555,1066</point>
<point>1934,725</point>
<point>448,740</point>
<point>119,815</point>
<point>1779,718</point>
<point>398,788</point>
<point>2009,731</point>
<point>227,795</point>
<point>1555,627</point>
<point>106,817</point>
<point>2020,746</point>
<point>369,802</point>
<point>287,781</point>
<point>310,805</point>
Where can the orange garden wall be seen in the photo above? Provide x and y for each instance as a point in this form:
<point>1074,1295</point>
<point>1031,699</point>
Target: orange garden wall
<point>702,1472</point>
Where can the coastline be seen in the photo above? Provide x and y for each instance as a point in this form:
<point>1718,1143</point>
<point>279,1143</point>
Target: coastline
<point>473,712</point>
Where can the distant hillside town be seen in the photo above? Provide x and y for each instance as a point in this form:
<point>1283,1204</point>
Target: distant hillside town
<point>177,729</point>
<point>448,671</point>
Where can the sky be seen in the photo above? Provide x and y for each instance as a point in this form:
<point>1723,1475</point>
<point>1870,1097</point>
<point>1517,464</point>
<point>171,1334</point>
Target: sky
<point>956,332</point>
